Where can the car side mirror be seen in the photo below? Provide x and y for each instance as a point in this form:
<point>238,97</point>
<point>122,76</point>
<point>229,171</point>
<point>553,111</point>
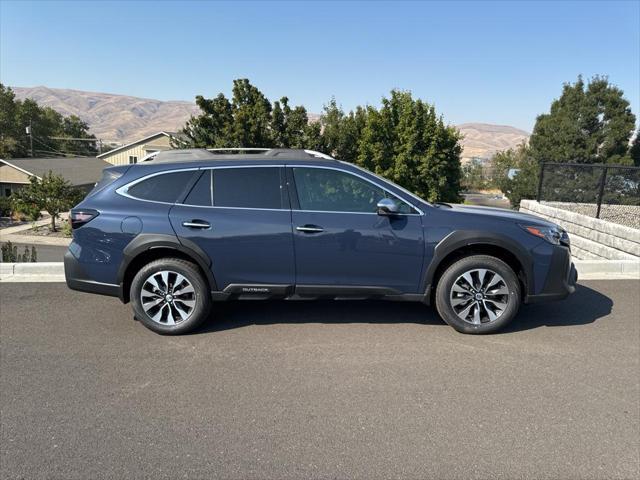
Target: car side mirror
<point>388,206</point>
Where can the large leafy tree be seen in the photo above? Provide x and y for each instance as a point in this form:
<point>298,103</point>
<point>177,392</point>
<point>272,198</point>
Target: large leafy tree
<point>589,123</point>
<point>634,149</point>
<point>46,123</point>
<point>407,142</point>
<point>52,193</point>
<point>403,140</point>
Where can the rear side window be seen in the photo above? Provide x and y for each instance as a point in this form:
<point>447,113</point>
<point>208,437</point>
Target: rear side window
<point>165,187</point>
<point>247,187</point>
<point>258,187</point>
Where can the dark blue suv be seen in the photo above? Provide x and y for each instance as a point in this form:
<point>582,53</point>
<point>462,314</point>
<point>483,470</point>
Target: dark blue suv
<point>189,228</point>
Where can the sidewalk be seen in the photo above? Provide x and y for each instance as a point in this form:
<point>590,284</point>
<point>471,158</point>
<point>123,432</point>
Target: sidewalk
<point>11,234</point>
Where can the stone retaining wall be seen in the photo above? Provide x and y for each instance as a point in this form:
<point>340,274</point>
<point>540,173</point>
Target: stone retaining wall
<point>591,238</point>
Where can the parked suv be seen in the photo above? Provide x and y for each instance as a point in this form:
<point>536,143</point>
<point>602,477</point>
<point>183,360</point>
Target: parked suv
<point>188,228</point>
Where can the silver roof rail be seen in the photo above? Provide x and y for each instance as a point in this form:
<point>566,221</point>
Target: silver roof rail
<point>195,154</point>
<point>319,154</point>
<point>239,149</point>
<point>180,155</point>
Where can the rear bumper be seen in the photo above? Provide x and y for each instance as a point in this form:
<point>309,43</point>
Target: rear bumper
<point>77,279</point>
<point>561,279</point>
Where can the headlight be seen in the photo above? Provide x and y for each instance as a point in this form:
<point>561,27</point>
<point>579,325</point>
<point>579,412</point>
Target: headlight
<point>553,235</point>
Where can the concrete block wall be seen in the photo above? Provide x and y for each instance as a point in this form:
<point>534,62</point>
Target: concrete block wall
<point>591,238</point>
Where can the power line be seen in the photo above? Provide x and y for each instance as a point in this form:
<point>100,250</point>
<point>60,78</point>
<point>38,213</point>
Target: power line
<point>53,150</point>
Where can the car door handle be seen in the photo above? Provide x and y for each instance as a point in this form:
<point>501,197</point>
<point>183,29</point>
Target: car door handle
<point>196,224</point>
<point>310,229</point>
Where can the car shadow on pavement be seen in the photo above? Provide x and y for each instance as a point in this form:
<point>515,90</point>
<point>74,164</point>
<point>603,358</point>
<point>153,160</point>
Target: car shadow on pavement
<point>236,314</point>
<point>583,307</point>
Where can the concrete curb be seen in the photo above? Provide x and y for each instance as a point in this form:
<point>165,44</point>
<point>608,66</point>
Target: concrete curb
<point>36,240</point>
<point>54,271</point>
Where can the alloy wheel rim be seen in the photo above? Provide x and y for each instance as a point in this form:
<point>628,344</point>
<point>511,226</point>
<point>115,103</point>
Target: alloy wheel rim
<point>479,296</point>
<point>168,297</point>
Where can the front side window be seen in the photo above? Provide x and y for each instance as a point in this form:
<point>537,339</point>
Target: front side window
<point>335,191</point>
<point>258,187</point>
<point>165,187</point>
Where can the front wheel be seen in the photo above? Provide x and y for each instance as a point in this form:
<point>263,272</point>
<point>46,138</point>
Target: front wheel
<point>478,294</point>
<point>170,296</point>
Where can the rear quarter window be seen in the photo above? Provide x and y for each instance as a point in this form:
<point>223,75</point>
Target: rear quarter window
<point>165,187</point>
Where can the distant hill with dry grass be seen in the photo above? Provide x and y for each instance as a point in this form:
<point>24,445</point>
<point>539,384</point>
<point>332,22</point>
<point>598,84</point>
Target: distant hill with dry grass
<point>122,119</point>
<point>483,139</point>
<point>113,118</point>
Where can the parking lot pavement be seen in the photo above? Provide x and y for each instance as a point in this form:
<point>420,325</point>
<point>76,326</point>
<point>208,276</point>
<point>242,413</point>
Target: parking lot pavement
<point>319,389</point>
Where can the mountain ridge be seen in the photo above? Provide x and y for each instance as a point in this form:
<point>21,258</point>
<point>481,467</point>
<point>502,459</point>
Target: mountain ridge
<point>121,119</point>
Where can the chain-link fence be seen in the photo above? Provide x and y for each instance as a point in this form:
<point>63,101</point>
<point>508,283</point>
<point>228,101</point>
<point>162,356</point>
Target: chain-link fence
<point>609,192</point>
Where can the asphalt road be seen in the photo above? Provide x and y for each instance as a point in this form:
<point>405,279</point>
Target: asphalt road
<point>486,200</point>
<point>319,390</point>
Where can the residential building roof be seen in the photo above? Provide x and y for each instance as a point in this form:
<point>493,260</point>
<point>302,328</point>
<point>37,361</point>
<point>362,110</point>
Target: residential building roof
<point>141,140</point>
<point>77,170</point>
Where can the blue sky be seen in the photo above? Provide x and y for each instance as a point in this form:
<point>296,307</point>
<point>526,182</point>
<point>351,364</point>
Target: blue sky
<point>494,62</point>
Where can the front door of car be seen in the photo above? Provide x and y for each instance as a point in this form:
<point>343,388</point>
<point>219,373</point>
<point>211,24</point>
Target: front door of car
<point>340,240</point>
<point>240,217</point>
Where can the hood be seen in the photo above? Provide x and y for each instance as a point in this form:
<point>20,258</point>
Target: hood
<point>500,213</point>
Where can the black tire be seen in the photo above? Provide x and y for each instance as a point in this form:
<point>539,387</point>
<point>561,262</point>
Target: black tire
<point>454,272</point>
<point>201,295</point>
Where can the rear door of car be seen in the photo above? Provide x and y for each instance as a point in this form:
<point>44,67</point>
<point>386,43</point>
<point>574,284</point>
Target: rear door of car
<point>240,216</point>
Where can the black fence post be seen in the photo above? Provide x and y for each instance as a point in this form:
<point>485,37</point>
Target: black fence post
<point>603,179</point>
<point>539,196</point>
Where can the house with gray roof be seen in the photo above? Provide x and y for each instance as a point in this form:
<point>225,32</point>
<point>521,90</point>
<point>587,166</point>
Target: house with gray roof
<point>81,172</point>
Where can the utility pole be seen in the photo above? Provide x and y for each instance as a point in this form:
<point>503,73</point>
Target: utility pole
<point>30,133</point>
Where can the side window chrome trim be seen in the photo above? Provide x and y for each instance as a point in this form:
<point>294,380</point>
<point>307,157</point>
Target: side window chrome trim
<point>123,190</point>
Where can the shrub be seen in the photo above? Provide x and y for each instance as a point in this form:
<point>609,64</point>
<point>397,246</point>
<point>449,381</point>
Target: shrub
<point>66,228</point>
<point>6,209</point>
<point>52,194</point>
<point>10,254</point>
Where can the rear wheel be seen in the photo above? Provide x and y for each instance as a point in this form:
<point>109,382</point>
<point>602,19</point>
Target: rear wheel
<point>478,294</point>
<point>170,296</point>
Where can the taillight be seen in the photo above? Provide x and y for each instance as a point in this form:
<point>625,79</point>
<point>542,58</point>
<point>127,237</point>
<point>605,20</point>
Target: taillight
<point>81,217</point>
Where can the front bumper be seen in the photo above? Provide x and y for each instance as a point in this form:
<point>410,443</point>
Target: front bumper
<point>561,278</point>
<point>78,279</point>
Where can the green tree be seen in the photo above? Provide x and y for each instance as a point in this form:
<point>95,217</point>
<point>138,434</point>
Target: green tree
<point>407,142</point>
<point>589,123</point>
<point>634,149</point>
<point>74,127</point>
<point>404,140</point>
<point>9,134</point>
<point>52,194</point>
<point>473,177</point>
<point>516,174</point>
<point>251,116</point>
